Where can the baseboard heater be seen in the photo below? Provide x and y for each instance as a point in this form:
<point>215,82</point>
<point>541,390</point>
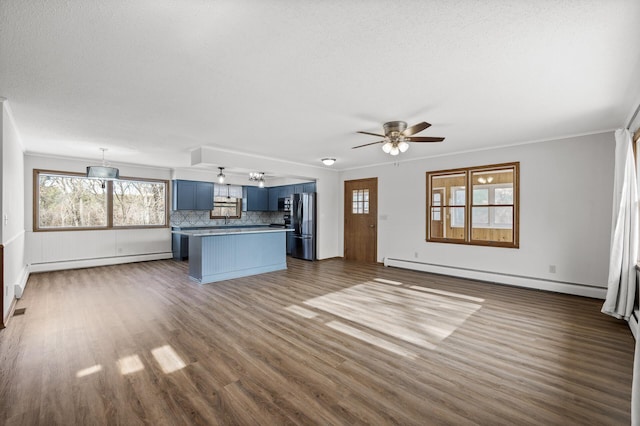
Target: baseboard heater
<point>501,278</point>
<point>97,261</point>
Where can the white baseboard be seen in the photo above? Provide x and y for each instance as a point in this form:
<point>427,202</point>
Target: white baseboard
<point>102,261</point>
<point>24,277</point>
<point>515,280</point>
<point>633,325</point>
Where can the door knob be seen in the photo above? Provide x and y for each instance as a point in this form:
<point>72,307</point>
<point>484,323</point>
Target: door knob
<point>372,226</point>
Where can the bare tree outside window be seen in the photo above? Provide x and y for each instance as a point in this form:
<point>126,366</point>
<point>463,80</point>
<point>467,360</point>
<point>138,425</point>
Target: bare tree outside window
<point>73,201</point>
<point>138,203</point>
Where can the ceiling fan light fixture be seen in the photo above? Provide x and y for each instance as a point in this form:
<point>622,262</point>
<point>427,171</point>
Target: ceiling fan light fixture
<point>221,175</point>
<point>328,161</point>
<point>397,136</point>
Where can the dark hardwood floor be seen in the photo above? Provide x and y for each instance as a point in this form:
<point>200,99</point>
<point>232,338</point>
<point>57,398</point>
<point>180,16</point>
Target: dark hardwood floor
<point>328,342</point>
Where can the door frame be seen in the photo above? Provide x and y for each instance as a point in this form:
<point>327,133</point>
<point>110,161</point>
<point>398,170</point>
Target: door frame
<point>347,204</point>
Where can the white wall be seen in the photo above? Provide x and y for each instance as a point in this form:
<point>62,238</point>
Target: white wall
<point>565,216</point>
<point>72,249</point>
<point>12,235</point>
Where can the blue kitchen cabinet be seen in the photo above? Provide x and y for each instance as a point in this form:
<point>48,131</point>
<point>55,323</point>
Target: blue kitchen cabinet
<point>255,199</point>
<point>309,187</point>
<point>192,195</point>
<point>274,194</point>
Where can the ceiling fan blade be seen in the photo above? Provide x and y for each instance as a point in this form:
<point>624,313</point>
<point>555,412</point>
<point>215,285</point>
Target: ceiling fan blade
<point>367,144</point>
<point>372,134</point>
<point>416,128</point>
<point>424,139</point>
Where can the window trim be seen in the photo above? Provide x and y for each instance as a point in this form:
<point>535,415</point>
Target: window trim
<point>109,192</point>
<point>238,210</point>
<point>468,174</point>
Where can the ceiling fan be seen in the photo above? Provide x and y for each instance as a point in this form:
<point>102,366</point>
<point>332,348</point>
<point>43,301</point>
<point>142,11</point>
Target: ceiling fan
<point>397,134</point>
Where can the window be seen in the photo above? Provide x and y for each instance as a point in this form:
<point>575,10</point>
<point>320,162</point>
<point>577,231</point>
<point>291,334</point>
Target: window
<point>360,201</point>
<point>224,207</point>
<point>486,216</point>
<point>71,201</point>
<point>227,202</point>
<point>139,203</point>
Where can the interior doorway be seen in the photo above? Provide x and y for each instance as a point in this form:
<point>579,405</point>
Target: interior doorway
<point>361,220</point>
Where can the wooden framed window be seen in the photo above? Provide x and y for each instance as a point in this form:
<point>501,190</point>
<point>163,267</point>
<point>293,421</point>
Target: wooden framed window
<point>229,208</point>
<point>227,202</point>
<point>66,201</point>
<point>474,205</point>
<point>139,203</point>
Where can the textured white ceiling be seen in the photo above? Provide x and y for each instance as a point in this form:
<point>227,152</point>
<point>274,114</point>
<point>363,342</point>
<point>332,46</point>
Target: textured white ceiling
<point>153,79</point>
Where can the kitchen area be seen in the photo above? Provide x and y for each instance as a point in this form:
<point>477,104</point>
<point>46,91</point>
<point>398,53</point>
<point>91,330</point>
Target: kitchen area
<point>227,231</point>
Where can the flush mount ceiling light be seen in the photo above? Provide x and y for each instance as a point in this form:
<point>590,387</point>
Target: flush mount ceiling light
<point>257,177</point>
<point>104,172</point>
<point>221,175</point>
<point>328,161</point>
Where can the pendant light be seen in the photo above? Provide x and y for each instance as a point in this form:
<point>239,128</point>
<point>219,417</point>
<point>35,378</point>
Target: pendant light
<point>104,172</point>
<point>257,177</point>
<point>221,175</point>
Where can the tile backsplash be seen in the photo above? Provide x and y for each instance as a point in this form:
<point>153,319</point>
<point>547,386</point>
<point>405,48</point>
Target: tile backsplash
<point>184,218</point>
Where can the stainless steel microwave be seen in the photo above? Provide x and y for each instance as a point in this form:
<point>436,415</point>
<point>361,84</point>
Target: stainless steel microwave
<point>284,204</point>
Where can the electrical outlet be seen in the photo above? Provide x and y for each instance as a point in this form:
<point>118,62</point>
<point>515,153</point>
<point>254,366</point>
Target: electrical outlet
<point>552,269</point>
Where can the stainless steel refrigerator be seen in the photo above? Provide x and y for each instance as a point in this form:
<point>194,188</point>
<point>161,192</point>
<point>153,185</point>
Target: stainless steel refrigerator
<point>303,222</point>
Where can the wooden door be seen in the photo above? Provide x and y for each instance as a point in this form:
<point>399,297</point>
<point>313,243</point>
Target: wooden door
<point>437,215</point>
<point>361,220</point>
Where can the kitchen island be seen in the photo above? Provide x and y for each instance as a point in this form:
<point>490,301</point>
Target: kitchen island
<point>226,253</point>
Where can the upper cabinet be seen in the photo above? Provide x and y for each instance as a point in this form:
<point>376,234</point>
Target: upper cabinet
<point>274,194</point>
<point>309,187</point>
<point>255,199</point>
<point>192,195</point>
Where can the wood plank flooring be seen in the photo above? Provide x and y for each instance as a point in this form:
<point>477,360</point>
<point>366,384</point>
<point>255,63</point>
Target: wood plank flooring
<point>328,342</point>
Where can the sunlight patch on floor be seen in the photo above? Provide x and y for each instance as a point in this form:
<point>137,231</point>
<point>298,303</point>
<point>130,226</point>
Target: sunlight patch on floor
<point>418,317</point>
<point>299,310</point>
<point>88,371</point>
<point>130,364</point>
<point>369,338</point>
<point>168,359</point>
<point>385,281</point>
<point>447,293</point>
